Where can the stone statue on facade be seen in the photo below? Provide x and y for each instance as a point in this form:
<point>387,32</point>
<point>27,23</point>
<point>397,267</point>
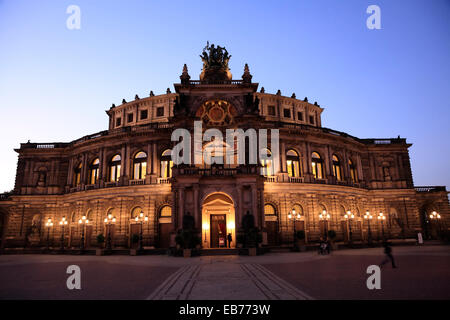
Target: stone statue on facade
<point>215,64</point>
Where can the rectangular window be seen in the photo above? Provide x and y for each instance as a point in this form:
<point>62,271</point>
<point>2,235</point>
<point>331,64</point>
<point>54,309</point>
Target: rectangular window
<point>160,111</point>
<point>311,119</point>
<point>144,114</point>
<point>118,122</point>
<point>287,113</point>
<point>271,110</point>
<point>130,117</point>
<point>300,116</point>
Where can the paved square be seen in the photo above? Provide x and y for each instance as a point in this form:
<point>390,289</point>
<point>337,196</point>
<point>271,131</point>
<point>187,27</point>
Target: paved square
<point>423,273</point>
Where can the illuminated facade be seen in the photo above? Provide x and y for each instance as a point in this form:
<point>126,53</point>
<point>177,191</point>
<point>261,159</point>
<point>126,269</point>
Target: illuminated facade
<point>128,169</point>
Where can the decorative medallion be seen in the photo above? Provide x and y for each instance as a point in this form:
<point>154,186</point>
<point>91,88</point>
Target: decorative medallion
<point>216,113</point>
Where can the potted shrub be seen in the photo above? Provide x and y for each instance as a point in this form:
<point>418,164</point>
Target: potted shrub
<point>187,240</point>
<point>332,237</point>
<point>240,240</point>
<point>100,241</point>
<point>300,240</point>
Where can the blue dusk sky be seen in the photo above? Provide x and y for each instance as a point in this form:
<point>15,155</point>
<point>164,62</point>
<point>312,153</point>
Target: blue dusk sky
<point>56,83</point>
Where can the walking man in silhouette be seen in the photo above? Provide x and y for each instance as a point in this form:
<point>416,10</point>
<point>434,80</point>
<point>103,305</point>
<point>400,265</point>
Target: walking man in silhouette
<point>388,253</point>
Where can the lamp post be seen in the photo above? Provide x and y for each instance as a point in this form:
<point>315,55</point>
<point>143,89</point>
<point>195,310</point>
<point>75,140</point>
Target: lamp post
<point>324,216</point>
<point>294,217</point>
<point>437,217</point>
<point>109,220</point>
<point>62,223</point>
<point>48,224</point>
<point>349,217</point>
<point>368,217</point>
<point>381,217</point>
<point>82,222</point>
<point>141,219</point>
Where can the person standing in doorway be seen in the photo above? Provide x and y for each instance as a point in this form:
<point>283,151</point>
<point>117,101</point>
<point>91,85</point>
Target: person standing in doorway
<point>229,239</point>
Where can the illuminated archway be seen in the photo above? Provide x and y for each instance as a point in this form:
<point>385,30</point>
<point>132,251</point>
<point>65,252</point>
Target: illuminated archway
<point>218,221</point>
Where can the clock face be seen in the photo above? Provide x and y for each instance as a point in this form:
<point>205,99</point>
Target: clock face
<point>216,113</point>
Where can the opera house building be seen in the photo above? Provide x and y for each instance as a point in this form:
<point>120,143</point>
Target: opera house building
<point>123,182</point>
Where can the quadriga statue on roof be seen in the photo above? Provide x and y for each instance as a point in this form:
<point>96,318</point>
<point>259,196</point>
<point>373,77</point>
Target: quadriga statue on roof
<point>215,64</point>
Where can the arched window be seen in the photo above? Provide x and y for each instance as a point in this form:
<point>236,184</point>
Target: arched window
<point>89,215</point>
<point>166,211</point>
<point>136,212</point>
<point>342,211</point>
<point>166,164</point>
<point>298,209</point>
<point>77,175</point>
<point>266,163</point>
<point>114,168</point>
<point>139,166</point>
<point>293,164</point>
<point>269,210</point>
<point>317,166</point>
<point>353,171</point>
<point>337,172</point>
<point>93,171</point>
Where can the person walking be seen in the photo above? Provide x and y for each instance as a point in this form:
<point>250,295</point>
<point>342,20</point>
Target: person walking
<point>389,256</point>
<point>229,238</point>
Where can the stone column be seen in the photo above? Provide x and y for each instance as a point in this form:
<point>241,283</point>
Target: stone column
<point>123,155</point>
<point>255,205</point>
<point>239,208</point>
<point>155,159</point>
<point>283,157</point>
<point>180,207</point>
<point>197,211</point>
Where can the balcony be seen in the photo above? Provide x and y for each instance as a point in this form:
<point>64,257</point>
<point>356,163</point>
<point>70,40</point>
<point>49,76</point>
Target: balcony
<point>137,182</point>
<point>430,189</point>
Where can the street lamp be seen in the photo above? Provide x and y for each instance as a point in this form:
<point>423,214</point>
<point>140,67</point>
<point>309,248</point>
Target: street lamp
<point>436,216</point>
<point>381,217</point>
<point>141,219</point>
<point>324,216</point>
<point>48,224</point>
<point>109,220</point>
<point>82,222</point>
<point>368,217</point>
<point>349,217</point>
<point>62,223</point>
<point>294,217</point>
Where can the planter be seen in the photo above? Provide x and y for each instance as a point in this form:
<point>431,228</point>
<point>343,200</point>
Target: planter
<point>187,253</point>
<point>334,246</point>
<point>302,248</point>
<point>133,252</point>
<point>252,251</point>
<point>99,252</point>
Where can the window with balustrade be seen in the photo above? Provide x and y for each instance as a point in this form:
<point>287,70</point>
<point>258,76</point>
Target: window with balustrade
<point>140,166</point>
<point>77,175</point>
<point>337,170</point>
<point>166,164</point>
<point>353,171</point>
<point>114,168</point>
<point>317,166</point>
<point>93,171</point>
<point>266,163</point>
<point>293,164</point>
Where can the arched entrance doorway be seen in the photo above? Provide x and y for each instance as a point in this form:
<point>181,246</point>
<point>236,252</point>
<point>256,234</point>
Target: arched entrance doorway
<point>218,220</point>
